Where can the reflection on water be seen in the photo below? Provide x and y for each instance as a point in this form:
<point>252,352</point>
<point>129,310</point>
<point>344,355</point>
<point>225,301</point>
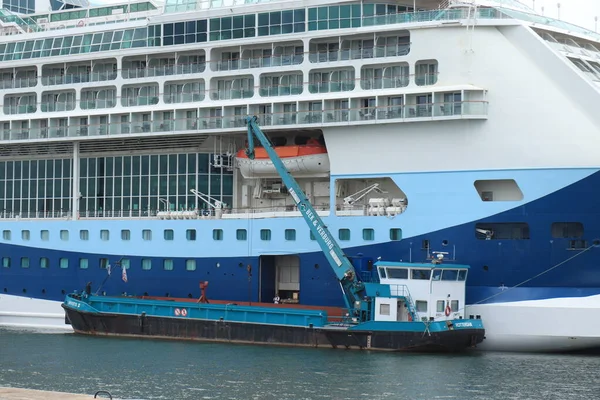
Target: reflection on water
<point>149,369</point>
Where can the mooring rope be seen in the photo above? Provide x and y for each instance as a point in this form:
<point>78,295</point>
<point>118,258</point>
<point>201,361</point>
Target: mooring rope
<point>536,276</point>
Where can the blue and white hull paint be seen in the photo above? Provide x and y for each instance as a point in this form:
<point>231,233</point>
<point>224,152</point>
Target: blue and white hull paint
<point>521,288</point>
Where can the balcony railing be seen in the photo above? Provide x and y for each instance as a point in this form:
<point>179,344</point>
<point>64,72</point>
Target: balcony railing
<point>358,54</point>
<point>57,106</point>
<point>97,104</point>
<point>18,83</point>
<point>51,80</point>
<point>165,70</point>
<point>21,109</point>
<point>393,113</point>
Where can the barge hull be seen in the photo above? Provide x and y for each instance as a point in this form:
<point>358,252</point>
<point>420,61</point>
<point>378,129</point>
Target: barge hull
<point>143,326</point>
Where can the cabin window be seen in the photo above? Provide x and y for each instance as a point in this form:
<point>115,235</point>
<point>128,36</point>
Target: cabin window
<point>44,262</point>
<point>503,230</point>
<point>125,263</point>
<point>25,235</point>
<point>168,234</point>
<point>265,234</point>
<point>64,235</point>
<point>440,305</point>
<point>6,262</point>
<point>290,234</point>
<point>344,234</point>
<point>168,264</point>
<point>146,234</point>
<point>462,274</point>
<point>437,275</point>
<point>24,262</point>
<point>63,263</point>
<point>190,265</point>
<point>6,235</point>
<point>190,234</point>
<point>566,230</point>
<point>397,273</point>
<point>146,264</point>
<point>384,309</point>
<point>312,236</point>
<point>421,305</point>
<point>217,234</point>
<point>104,234</point>
<point>449,274</point>
<point>125,234</point>
<point>83,263</point>
<point>103,263</point>
<point>241,234</point>
<point>84,234</point>
<point>45,235</point>
<point>421,274</point>
<point>368,234</point>
<point>381,272</point>
<point>454,305</point>
<point>395,234</point>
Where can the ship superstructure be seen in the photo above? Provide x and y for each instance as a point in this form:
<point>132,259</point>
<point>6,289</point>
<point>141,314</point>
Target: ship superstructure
<point>121,126</point>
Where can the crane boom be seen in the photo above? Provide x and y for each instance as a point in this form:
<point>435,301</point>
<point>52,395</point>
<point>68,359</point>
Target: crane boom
<point>354,291</point>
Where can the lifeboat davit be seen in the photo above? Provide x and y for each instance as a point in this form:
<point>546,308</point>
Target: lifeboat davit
<point>305,160</point>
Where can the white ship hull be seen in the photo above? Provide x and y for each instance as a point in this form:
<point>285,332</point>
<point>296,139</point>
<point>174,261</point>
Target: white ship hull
<point>26,312</point>
<point>552,325</point>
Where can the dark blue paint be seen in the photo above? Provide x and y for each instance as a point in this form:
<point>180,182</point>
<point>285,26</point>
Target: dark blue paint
<point>508,262</point>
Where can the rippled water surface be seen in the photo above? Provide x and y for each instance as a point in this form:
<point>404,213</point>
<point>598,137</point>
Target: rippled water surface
<point>148,369</point>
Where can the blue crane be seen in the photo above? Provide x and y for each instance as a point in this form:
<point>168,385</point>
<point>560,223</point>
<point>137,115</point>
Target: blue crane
<point>353,289</point>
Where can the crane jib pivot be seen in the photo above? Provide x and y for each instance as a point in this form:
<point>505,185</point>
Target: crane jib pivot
<point>344,270</point>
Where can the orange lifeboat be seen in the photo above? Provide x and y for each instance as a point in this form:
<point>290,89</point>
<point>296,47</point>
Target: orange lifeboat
<point>308,160</point>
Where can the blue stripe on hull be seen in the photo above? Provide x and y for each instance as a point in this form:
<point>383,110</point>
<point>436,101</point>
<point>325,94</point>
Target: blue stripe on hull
<point>507,262</point>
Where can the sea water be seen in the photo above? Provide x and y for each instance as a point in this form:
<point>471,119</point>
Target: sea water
<point>158,369</point>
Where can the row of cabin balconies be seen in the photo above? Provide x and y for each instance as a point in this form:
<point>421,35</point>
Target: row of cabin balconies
<point>241,88</point>
<point>110,71</point>
<point>361,110</point>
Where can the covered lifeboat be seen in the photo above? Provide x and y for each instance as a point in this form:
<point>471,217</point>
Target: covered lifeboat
<point>303,160</point>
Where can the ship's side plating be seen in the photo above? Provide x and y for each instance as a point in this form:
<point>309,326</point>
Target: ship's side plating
<point>540,133</point>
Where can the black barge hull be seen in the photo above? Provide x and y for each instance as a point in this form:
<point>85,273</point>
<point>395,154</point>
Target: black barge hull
<point>143,326</point>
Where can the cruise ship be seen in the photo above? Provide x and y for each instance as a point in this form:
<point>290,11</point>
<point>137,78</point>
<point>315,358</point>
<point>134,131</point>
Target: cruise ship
<point>416,127</point>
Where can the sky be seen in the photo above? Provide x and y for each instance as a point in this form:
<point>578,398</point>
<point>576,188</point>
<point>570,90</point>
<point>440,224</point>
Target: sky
<point>579,12</point>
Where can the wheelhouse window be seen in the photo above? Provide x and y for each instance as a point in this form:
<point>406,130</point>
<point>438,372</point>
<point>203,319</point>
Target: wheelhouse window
<point>397,273</point>
<point>420,274</point>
